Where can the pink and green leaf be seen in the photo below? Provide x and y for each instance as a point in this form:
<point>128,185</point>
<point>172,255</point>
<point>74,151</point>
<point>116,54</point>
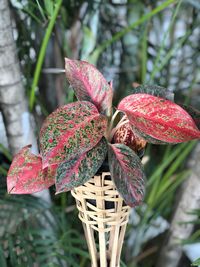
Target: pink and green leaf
<point>70,131</point>
<point>89,84</point>
<point>194,113</point>
<point>159,118</point>
<point>127,173</point>
<point>148,138</point>
<point>26,175</point>
<point>154,90</point>
<point>79,170</point>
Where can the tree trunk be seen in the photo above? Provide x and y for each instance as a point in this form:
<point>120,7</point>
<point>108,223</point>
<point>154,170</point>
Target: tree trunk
<point>189,199</point>
<point>13,104</point>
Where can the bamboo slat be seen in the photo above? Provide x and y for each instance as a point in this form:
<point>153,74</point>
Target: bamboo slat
<point>104,216</point>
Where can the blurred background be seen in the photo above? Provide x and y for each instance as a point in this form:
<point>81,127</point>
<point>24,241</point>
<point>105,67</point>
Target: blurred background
<point>130,41</point>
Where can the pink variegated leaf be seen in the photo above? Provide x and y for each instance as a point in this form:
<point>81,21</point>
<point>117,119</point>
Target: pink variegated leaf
<point>127,173</point>
<point>148,138</point>
<point>194,113</point>
<point>78,171</point>
<point>159,118</point>
<point>89,84</point>
<point>26,175</point>
<point>154,90</point>
<point>70,131</point>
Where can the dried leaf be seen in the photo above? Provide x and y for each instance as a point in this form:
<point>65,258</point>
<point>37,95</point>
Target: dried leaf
<point>26,176</point>
<point>70,131</point>
<point>89,84</point>
<point>127,173</point>
<point>79,170</point>
<point>159,118</point>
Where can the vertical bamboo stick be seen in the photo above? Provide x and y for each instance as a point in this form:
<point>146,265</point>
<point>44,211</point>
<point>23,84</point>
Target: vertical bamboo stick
<point>103,213</point>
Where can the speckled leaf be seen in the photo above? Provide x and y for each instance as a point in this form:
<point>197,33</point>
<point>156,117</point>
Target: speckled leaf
<point>154,90</point>
<point>70,131</point>
<point>89,84</point>
<point>148,138</point>
<point>159,118</point>
<point>79,170</point>
<point>26,176</point>
<point>127,173</point>
<point>125,135</point>
<point>194,113</point>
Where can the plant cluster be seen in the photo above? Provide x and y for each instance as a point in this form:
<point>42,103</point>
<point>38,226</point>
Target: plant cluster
<point>76,138</point>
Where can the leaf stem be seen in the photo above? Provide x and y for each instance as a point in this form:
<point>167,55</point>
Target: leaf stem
<point>111,124</point>
<point>113,118</point>
<point>42,53</point>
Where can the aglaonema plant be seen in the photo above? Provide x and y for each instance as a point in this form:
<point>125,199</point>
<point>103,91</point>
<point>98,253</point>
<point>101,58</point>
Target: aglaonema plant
<point>76,138</point>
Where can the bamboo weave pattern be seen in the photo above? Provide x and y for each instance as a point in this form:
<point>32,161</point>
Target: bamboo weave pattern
<point>104,216</point>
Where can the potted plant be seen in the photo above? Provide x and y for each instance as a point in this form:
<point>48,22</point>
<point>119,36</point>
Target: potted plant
<point>76,139</point>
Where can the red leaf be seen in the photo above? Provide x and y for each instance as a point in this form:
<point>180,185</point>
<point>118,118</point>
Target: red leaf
<point>148,138</point>
<point>89,84</point>
<point>194,113</point>
<point>159,118</point>
<point>26,176</point>
<point>70,131</point>
<point>127,173</point>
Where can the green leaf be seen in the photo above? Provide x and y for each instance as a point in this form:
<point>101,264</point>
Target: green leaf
<point>2,258</point>
<point>196,262</point>
<point>127,173</point>
<point>79,170</point>
<point>70,131</point>
<point>49,6</point>
<point>154,90</point>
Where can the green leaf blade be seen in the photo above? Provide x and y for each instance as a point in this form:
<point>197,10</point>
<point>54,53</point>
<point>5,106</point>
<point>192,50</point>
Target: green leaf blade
<point>196,262</point>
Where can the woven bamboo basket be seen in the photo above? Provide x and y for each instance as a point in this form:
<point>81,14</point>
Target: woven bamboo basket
<point>104,216</point>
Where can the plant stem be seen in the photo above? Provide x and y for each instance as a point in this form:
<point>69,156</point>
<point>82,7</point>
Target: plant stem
<point>6,152</point>
<point>113,119</point>
<point>109,129</point>
<point>144,54</point>
<point>64,201</point>
<point>42,53</point>
<point>3,171</point>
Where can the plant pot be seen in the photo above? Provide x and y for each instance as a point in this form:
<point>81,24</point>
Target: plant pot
<point>104,216</point>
